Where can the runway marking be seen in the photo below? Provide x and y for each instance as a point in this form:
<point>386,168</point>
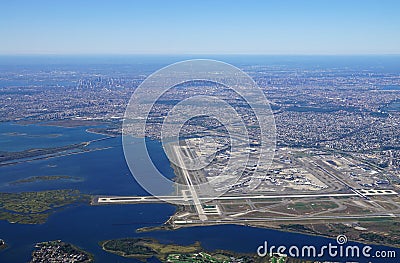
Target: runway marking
<point>139,199</point>
<point>195,198</point>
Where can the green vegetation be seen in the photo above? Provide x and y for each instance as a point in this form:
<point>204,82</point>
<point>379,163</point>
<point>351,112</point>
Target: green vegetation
<point>200,257</point>
<point>278,260</point>
<point>381,238</point>
<point>155,228</point>
<point>314,206</point>
<point>296,227</point>
<point>35,207</point>
<point>45,178</point>
<point>6,157</point>
<point>372,237</point>
<point>375,219</point>
<point>129,247</point>
<point>144,248</point>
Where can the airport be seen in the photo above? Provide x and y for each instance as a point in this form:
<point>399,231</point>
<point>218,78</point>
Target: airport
<point>301,185</point>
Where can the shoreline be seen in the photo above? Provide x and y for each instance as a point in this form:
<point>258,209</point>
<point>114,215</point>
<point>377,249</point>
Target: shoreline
<point>167,226</point>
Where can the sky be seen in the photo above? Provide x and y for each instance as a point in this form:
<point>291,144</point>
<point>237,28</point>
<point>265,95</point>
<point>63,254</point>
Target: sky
<point>199,27</point>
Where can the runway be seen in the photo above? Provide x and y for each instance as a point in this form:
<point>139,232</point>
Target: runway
<point>188,199</point>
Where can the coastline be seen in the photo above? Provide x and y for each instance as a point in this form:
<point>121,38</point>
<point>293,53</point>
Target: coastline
<point>168,226</point>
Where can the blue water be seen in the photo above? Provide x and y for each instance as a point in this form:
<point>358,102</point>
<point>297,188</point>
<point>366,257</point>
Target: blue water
<point>14,137</point>
<point>84,226</point>
<point>390,87</point>
<point>392,106</point>
<point>102,172</point>
<point>105,172</point>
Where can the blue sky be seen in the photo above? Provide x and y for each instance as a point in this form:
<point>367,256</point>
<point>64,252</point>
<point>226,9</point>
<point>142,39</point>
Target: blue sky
<point>199,27</point>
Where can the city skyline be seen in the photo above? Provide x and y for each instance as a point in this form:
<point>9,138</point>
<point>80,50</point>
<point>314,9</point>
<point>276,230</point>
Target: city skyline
<point>220,27</point>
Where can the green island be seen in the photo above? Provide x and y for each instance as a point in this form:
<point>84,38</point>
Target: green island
<point>59,251</point>
<point>145,248</point>
<point>33,179</point>
<point>52,135</point>
<point>13,157</point>
<point>35,207</point>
